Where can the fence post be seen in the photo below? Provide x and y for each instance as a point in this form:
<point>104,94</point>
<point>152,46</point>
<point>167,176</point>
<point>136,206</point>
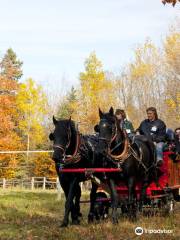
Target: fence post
<point>4,183</point>
<point>32,183</point>
<point>44,183</point>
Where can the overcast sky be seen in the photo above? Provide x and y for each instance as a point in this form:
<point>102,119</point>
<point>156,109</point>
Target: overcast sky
<point>54,37</point>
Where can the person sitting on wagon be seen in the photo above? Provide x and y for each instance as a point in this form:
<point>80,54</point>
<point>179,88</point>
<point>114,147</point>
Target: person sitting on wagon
<point>174,148</point>
<point>124,123</point>
<point>169,145</point>
<point>177,140</point>
<point>155,130</point>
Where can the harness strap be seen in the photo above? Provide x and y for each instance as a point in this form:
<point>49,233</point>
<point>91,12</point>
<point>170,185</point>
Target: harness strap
<point>139,159</point>
<point>123,155</point>
<point>75,157</point>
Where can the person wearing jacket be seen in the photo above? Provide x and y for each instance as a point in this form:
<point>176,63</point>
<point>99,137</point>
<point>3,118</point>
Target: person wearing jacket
<point>124,123</point>
<point>155,130</point>
<point>177,140</point>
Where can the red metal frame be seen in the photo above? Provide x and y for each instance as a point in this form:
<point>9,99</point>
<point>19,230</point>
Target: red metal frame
<point>166,180</point>
<point>83,170</point>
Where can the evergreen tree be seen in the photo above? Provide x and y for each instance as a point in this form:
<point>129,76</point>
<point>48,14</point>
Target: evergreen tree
<point>68,105</point>
<point>11,66</point>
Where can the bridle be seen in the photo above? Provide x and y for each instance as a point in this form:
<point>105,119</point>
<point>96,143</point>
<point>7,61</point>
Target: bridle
<point>75,157</point>
<point>114,132</point>
<point>60,146</point>
<point>125,153</point>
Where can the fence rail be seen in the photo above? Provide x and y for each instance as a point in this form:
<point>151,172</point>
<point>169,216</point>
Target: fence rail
<point>32,183</point>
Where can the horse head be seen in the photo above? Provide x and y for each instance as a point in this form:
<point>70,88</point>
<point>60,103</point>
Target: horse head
<point>109,130</point>
<point>64,139</point>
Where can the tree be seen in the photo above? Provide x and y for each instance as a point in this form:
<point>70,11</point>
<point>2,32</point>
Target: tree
<point>10,69</point>
<point>32,109</point>
<point>11,66</point>
<point>146,74</point>
<point>68,105</point>
<point>172,86</point>
<point>173,2</point>
<point>96,91</point>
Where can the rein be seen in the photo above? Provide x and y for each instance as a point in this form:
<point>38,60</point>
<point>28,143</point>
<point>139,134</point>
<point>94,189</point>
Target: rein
<point>75,157</point>
<point>125,154</point>
<point>139,159</point>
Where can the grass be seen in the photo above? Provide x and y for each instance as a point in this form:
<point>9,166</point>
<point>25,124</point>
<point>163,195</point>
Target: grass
<point>37,215</point>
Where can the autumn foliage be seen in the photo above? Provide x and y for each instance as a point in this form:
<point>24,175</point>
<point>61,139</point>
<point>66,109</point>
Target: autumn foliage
<point>22,112</point>
<point>173,2</point>
<point>150,79</point>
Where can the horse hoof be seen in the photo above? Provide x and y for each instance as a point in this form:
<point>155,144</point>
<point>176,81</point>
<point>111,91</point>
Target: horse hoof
<point>90,218</point>
<point>133,218</point>
<point>64,224</point>
<point>79,214</point>
<point>115,220</point>
<point>75,222</point>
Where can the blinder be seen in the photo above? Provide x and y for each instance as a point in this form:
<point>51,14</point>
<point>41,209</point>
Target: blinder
<point>51,136</point>
<point>96,128</point>
<point>112,126</point>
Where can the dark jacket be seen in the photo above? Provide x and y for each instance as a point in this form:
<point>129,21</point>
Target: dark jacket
<point>154,130</point>
<point>177,144</point>
<point>127,125</point>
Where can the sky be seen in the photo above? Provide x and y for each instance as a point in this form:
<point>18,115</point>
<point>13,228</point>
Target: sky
<point>54,37</point>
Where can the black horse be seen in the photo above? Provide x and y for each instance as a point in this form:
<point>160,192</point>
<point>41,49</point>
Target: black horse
<point>71,150</point>
<point>137,160</point>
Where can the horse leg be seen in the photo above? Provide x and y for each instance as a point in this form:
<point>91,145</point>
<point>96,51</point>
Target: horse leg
<point>77,201</point>
<point>92,202</point>
<point>131,198</point>
<point>143,193</point>
<point>75,208</point>
<point>69,202</point>
<point>65,184</point>
<point>114,197</point>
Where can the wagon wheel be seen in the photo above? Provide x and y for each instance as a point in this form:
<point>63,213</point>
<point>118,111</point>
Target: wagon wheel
<point>101,208</point>
<point>167,205</point>
<point>124,209</point>
<point>150,209</point>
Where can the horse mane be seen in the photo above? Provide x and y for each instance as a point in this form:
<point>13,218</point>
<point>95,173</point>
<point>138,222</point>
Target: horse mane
<point>65,122</point>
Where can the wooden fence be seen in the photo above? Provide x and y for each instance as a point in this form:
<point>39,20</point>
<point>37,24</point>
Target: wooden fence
<point>42,183</point>
<point>30,183</point>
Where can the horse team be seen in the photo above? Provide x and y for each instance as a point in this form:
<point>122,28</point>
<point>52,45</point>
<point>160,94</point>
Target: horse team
<point>109,148</point>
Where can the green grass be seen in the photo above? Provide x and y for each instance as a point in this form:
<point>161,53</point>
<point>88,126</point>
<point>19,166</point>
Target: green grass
<point>37,215</point>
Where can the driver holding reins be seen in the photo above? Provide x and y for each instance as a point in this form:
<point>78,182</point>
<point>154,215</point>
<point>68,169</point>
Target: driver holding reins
<point>155,130</point>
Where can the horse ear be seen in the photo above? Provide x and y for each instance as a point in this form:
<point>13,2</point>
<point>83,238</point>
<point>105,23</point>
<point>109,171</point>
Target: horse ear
<point>100,113</point>
<point>54,120</point>
<point>111,111</point>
